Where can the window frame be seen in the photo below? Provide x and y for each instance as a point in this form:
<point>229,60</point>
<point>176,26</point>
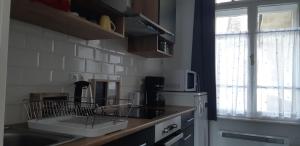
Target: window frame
<point>252,11</point>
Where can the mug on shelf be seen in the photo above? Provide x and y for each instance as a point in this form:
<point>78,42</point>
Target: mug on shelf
<point>106,23</point>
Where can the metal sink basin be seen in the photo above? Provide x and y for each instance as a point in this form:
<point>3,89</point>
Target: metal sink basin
<point>27,137</point>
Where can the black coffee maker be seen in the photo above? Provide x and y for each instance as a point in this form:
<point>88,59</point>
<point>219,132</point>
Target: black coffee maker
<point>152,85</point>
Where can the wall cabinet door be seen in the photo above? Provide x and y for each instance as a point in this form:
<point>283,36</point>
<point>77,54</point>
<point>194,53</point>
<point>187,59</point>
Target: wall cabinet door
<point>149,8</point>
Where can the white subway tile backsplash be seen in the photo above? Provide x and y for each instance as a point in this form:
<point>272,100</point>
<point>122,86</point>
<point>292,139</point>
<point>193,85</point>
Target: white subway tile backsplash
<point>93,66</point>
<point>41,60</point>
<point>131,81</point>
<point>74,64</point>
<point>101,56</point>
<point>77,40</point>
<point>64,48</point>
<point>50,61</point>
<point>35,77</point>
<point>100,77</point>
<point>57,36</point>
<point>14,113</point>
<point>94,43</point>
<point>39,43</point>
<point>115,59</point>
<point>14,76</point>
<point>17,40</point>
<point>117,45</point>
<point>22,58</point>
<point>84,52</point>
<point>26,28</point>
<point>87,76</point>
<point>128,61</point>
<point>114,77</point>
<point>119,69</point>
<point>20,95</point>
<point>61,78</point>
<point>108,68</point>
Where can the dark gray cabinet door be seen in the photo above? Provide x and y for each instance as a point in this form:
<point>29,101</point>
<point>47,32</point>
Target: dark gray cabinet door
<point>142,138</point>
<point>187,120</point>
<point>188,136</point>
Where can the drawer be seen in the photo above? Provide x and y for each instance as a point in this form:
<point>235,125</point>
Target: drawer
<point>187,119</point>
<point>141,138</point>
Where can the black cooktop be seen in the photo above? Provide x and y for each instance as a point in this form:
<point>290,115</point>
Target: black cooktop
<point>145,113</point>
<point>141,113</point>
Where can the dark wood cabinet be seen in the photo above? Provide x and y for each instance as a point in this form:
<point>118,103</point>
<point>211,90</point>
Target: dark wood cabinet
<point>141,138</point>
<point>149,46</point>
<point>149,8</point>
<point>146,42</point>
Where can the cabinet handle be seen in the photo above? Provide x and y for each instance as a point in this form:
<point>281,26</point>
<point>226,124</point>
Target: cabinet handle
<point>144,144</point>
<point>190,120</point>
<point>188,137</point>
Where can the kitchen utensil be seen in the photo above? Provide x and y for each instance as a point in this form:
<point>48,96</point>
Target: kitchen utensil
<point>106,23</point>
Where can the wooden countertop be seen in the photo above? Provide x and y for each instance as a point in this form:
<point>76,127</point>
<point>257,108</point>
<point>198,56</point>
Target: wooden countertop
<point>134,125</point>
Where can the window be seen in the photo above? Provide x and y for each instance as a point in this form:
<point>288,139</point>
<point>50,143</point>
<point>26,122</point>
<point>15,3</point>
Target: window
<point>232,61</point>
<point>258,67</point>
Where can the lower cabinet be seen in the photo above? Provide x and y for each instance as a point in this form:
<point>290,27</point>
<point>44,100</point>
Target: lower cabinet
<point>142,138</point>
<point>188,136</point>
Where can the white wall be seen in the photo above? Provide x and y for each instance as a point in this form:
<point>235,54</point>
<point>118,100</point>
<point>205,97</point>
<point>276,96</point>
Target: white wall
<point>41,60</point>
<point>184,36</point>
<point>292,132</point>
<point>4,26</point>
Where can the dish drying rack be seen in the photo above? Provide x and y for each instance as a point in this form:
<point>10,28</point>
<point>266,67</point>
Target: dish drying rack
<point>77,118</point>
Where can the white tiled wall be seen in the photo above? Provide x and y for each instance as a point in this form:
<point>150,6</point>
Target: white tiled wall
<point>42,60</point>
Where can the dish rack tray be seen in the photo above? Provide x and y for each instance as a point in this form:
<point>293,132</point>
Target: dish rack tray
<point>77,118</point>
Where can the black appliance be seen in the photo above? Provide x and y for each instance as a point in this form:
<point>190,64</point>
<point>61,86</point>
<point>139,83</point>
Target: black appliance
<point>142,113</point>
<point>152,86</point>
<point>81,89</point>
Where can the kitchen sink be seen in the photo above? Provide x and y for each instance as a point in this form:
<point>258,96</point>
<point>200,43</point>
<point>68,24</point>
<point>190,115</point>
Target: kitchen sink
<point>28,137</point>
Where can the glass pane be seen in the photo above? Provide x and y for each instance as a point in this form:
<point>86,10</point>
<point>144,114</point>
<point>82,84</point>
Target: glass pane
<point>277,17</point>
<point>278,69</point>
<point>222,1</point>
<point>231,23</point>
<point>232,73</point>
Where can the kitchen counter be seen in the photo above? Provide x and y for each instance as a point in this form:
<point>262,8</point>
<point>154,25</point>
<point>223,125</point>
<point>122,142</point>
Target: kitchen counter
<point>134,125</point>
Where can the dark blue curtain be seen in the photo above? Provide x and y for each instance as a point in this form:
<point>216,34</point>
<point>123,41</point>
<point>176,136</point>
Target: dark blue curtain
<point>203,55</point>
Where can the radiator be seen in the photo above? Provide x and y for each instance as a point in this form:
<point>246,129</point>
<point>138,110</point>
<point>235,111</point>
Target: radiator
<point>246,139</point>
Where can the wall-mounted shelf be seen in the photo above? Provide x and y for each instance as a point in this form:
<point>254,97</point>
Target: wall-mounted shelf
<point>64,22</point>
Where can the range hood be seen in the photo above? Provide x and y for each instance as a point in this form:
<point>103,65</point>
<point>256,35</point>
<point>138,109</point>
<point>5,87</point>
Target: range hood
<point>138,24</point>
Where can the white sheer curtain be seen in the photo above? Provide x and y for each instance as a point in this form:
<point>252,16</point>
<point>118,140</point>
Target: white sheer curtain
<point>278,74</point>
<point>232,74</point>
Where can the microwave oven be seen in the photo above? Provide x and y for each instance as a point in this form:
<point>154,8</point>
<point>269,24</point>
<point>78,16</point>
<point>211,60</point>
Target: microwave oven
<point>181,80</point>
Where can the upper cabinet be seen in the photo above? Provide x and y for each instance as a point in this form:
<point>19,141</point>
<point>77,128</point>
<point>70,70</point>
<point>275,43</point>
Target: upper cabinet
<point>158,17</point>
<point>82,21</point>
<point>149,24</point>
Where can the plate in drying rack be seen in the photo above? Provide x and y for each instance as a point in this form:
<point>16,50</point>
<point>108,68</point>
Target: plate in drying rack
<point>78,125</point>
<point>75,118</point>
